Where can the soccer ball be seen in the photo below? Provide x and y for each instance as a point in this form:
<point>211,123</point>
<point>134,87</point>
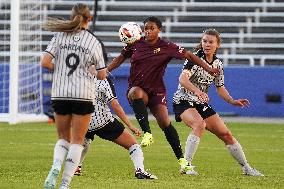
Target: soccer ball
<point>130,32</point>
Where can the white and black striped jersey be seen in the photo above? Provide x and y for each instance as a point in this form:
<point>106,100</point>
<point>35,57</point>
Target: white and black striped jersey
<point>74,53</point>
<point>104,94</point>
<point>200,79</point>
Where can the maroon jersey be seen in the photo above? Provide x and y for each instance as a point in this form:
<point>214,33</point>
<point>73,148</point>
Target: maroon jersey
<point>148,63</point>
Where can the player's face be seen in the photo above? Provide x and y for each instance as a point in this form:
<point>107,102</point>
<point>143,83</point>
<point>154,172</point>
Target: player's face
<point>209,44</point>
<point>151,31</point>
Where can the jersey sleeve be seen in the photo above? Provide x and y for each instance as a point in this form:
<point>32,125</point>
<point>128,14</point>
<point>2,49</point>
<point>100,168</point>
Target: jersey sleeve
<point>52,46</point>
<point>127,51</point>
<point>219,80</point>
<point>187,65</point>
<point>109,90</point>
<point>176,51</point>
<point>98,57</point>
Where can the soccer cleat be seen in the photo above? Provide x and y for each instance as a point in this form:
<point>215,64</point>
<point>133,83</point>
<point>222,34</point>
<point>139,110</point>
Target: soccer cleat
<point>64,185</point>
<point>78,171</point>
<point>249,171</point>
<point>144,175</point>
<point>51,178</point>
<point>147,140</point>
<point>185,168</point>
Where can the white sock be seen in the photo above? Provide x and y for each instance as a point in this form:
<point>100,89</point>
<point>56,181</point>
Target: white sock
<point>72,162</point>
<point>137,157</point>
<point>191,146</point>
<point>238,154</point>
<point>86,145</point>
<point>60,151</point>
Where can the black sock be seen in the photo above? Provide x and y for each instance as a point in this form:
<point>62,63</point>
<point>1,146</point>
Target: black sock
<point>141,114</point>
<point>173,139</point>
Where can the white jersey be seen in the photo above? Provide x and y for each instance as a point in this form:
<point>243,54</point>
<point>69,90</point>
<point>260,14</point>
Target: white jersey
<point>104,94</point>
<point>200,79</point>
<point>74,54</point>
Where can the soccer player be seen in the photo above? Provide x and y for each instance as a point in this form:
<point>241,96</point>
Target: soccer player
<point>149,58</point>
<point>76,53</point>
<point>106,126</point>
<point>190,102</point>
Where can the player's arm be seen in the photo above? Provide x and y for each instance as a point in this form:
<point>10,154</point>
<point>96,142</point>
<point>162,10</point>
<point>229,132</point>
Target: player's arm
<point>121,114</point>
<point>46,61</point>
<point>116,62</point>
<point>195,59</point>
<point>185,82</point>
<point>101,74</point>
<point>223,93</point>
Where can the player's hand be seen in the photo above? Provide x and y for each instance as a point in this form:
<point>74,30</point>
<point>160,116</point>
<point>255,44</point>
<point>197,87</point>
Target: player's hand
<point>135,131</point>
<point>203,97</point>
<point>241,102</point>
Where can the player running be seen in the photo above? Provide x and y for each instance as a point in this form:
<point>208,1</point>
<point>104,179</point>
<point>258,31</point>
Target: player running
<point>106,126</point>
<point>190,102</point>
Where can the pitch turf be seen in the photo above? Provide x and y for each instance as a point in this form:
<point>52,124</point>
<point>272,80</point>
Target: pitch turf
<point>27,149</point>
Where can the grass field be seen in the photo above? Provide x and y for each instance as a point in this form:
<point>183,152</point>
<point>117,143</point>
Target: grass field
<point>27,149</point>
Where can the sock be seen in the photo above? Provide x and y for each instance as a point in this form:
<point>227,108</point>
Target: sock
<point>238,154</point>
<point>191,146</point>
<point>60,151</point>
<point>141,114</point>
<point>173,139</point>
<point>137,157</point>
<point>72,162</point>
<point>86,145</point>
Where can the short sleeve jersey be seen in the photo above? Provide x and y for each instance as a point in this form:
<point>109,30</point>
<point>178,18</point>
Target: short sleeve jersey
<point>73,54</point>
<point>200,79</point>
<point>148,63</point>
<point>104,94</point>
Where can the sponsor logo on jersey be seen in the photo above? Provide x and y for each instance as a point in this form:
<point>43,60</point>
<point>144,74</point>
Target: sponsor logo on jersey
<point>157,50</point>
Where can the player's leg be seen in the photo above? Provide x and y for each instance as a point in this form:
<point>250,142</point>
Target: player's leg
<point>192,119</point>
<point>138,99</point>
<point>216,125</point>
<point>116,133</point>
<point>160,112</point>
<point>79,128</point>
<point>81,117</point>
<point>63,124</point>
<point>89,137</point>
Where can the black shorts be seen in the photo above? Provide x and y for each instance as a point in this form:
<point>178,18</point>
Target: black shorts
<point>65,107</point>
<point>204,110</point>
<point>109,132</point>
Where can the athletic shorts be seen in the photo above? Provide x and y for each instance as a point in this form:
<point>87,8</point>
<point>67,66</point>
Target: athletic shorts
<point>204,110</point>
<point>109,132</point>
<point>154,99</point>
<point>65,107</point>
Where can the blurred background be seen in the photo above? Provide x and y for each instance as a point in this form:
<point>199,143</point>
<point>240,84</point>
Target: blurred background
<point>252,49</point>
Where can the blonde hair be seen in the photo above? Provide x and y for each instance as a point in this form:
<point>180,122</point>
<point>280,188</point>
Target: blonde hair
<point>209,32</point>
<point>80,15</point>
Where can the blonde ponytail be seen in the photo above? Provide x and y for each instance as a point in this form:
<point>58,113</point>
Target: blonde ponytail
<point>80,14</point>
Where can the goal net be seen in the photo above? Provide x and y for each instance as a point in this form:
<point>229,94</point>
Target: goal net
<point>20,70</point>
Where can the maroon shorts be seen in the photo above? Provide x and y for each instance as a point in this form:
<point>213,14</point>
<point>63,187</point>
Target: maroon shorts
<point>154,99</point>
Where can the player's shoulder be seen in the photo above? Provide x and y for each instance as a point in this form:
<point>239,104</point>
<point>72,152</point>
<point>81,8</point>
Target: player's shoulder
<point>217,61</point>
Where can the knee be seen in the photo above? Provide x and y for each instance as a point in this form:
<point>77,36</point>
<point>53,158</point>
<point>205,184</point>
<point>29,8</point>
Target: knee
<point>199,126</point>
<point>135,92</point>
